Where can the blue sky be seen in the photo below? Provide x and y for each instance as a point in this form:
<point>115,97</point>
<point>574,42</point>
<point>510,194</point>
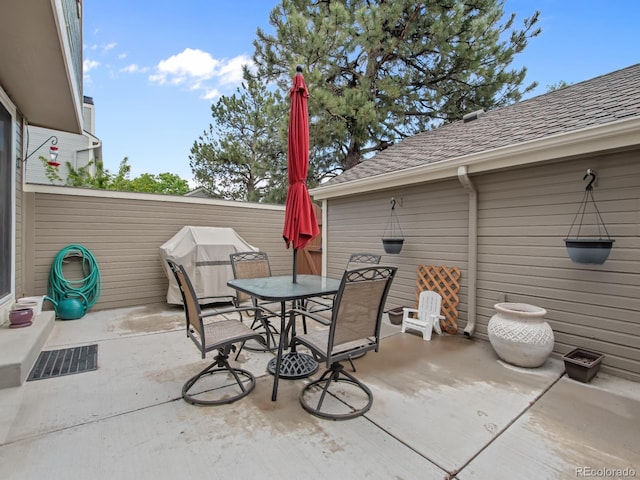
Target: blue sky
<point>155,67</point>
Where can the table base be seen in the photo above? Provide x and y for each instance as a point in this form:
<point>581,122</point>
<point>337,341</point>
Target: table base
<point>294,365</point>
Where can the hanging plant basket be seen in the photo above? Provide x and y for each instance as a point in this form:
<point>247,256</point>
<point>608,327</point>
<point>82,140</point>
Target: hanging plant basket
<point>392,245</point>
<point>392,238</point>
<point>585,250</point>
<point>589,249</point>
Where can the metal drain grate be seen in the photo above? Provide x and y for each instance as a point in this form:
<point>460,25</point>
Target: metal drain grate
<point>67,361</point>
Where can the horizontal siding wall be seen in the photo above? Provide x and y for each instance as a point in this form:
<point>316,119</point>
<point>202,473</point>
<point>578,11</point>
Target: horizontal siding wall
<point>524,216</point>
<point>434,221</point>
<point>124,232</point>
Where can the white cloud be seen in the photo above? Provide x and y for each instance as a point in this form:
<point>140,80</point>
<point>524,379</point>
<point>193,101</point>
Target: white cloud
<point>133,68</point>
<point>211,94</point>
<point>109,46</point>
<point>197,70</point>
<point>190,63</point>
<point>88,65</point>
<point>231,72</point>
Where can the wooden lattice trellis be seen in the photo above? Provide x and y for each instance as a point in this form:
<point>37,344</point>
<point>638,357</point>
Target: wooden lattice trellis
<point>446,282</point>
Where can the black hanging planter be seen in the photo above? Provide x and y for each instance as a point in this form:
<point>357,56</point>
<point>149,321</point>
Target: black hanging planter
<point>392,245</point>
<point>392,238</point>
<point>589,249</point>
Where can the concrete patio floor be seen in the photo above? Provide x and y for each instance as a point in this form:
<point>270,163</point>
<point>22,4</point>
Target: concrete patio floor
<point>447,408</point>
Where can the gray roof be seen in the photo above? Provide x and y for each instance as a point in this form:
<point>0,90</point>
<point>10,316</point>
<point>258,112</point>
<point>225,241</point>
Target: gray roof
<point>601,100</point>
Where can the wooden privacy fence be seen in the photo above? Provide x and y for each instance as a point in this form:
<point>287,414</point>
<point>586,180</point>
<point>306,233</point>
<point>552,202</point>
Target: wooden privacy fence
<point>446,282</point>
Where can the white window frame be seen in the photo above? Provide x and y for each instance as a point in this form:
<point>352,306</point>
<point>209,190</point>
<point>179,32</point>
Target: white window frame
<point>6,301</point>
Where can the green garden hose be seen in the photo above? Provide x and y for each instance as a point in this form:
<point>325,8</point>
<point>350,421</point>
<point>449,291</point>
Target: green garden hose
<point>89,286</point>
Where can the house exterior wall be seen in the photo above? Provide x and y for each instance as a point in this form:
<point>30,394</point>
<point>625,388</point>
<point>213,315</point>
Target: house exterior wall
<point>524,214</point>
<point>433,220</point>
<point>73,148</point>
<point>124,232</point>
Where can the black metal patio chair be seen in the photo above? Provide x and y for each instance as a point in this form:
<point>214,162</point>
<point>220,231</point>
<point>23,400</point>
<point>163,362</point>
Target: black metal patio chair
<point>221,335</point>
<point>354,329</point>
<point>253,265</point>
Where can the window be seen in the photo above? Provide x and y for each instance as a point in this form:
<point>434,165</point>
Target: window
<point>6,202</point>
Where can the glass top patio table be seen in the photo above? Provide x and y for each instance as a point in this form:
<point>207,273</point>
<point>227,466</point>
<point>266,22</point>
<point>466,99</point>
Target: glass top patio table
<point>282,289</point>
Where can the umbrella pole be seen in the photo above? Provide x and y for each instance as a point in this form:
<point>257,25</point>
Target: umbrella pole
<point>295,265</point>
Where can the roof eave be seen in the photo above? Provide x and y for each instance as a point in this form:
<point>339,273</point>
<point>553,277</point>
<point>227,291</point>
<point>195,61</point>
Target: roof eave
<point>37,71</point>
<point>622,134</point>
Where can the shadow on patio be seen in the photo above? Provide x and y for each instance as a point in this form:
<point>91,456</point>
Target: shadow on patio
<point>447,408</point>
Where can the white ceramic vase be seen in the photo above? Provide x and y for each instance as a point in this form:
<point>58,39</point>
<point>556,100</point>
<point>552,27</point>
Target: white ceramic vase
<point>520,335</point>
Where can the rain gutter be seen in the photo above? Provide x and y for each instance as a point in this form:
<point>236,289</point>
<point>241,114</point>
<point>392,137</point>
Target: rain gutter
<point>615,135</point>
<point>472,250</point>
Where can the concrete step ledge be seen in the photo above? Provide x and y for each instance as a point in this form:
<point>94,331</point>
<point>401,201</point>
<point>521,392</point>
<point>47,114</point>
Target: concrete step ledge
<point>20,347</point>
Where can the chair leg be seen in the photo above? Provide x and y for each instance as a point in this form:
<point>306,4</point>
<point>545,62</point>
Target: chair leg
<point>271,344</point>
<point>353,367</point>
<point>221,365</point>
<point>353,357</point>
<point>331,377</point>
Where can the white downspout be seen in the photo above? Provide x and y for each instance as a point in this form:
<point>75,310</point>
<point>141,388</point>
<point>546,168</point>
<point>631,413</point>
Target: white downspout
<point>324,236</point>
<point>472,260</point>
<point>94,146</point>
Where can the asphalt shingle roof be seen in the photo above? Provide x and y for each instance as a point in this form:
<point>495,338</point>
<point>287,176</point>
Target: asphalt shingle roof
<point>601,100</point>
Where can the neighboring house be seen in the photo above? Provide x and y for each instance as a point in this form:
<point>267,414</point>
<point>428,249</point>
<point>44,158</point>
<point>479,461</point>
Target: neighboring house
<point>199,192</point>
<point>40,85</point>
<point>495,196</point>
<point>77,150</point>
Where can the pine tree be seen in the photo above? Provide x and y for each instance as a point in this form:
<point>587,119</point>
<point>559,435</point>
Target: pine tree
<point>242,156</point>
<point>382,70</point>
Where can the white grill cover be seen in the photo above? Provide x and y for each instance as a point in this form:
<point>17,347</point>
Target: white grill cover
<point>204,253</point>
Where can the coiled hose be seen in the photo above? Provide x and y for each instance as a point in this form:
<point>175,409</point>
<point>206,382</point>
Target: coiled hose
<point>89,286</point>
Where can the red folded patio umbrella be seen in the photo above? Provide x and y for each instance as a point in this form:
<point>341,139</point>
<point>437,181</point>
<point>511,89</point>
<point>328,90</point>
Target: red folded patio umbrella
<point>300,223</point>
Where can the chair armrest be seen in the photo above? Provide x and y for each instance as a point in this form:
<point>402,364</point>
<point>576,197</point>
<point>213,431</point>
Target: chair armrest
<point>268,311</point>
<point>230,298</point>
<point>406,311</point>
<point>230,310</point>
<point>311,315</point>
<point>321,306</point>
<point>436,323</point>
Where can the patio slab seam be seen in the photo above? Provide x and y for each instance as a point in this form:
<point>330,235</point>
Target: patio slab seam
<point>502,431</point>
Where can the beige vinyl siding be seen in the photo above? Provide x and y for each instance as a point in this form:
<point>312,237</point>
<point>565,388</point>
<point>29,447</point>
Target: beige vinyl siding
<point>124,234</point>
<point>434,220</point>
<point>524,216</point>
